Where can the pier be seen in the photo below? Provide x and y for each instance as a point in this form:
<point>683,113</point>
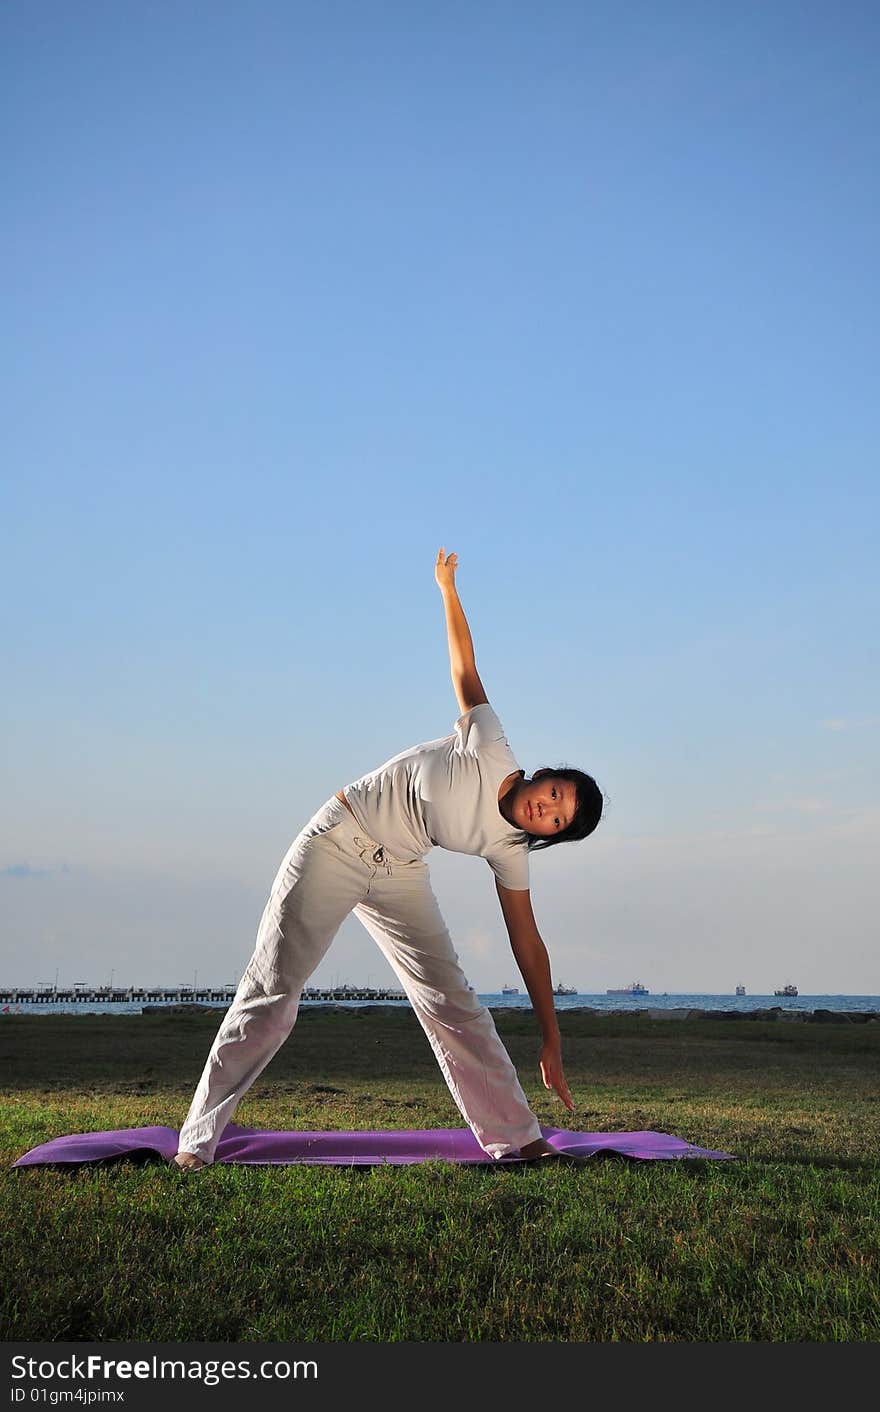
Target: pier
<point>173,995</point>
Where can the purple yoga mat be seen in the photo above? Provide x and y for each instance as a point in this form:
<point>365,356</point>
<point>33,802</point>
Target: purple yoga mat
<point>255,1147</point>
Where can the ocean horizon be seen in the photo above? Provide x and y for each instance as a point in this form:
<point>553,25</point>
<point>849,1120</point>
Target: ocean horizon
<point>665,1000</point>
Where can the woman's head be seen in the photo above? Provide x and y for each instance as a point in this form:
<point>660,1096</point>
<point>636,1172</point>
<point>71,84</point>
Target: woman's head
<point>558,805</point>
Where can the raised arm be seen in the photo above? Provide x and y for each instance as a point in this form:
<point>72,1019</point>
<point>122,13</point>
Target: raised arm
<point>465,679</point>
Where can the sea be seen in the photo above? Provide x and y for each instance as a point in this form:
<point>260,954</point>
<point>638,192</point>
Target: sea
<point>685,1000</point>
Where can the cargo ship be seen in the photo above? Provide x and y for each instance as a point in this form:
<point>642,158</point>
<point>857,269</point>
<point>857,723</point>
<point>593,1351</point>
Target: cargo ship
<point>565,989</point>
<point>635,989</point>
<point>790,990</point>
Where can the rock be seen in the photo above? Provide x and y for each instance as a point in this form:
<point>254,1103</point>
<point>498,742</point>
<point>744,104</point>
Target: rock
<point>843,1017</point>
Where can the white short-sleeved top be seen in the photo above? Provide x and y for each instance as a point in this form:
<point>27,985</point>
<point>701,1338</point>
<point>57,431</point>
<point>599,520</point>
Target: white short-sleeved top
<point>444,793</point>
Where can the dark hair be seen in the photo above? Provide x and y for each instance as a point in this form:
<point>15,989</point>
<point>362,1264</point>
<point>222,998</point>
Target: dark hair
<point>588,810</point>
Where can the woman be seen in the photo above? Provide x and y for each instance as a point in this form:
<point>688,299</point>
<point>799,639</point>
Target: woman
<point>364,851</point>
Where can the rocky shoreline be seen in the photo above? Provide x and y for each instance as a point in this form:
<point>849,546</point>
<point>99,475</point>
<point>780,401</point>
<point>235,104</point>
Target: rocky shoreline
<point>774,1012</point>
<point>653,1012</point>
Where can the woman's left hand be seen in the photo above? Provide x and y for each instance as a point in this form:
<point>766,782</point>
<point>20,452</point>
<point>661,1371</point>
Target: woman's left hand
<point>552,1073</point>
<point>444,569</point>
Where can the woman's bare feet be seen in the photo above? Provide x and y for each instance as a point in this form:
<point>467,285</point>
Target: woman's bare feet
<point>539,1148</point>
<point>533,1151</point>
<point>188,1161</point>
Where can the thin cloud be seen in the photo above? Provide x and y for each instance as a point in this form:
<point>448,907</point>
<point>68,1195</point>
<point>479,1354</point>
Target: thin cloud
<point>478,942</point>
<point>848,723</point>
<point>24,870</point>
<point>795,806</point>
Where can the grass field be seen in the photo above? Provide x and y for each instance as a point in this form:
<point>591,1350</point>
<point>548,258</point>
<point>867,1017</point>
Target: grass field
<point>782,1245</point>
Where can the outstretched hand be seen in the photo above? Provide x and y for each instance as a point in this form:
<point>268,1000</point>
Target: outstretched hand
<point>552,1073</point>
<point>444,569</point>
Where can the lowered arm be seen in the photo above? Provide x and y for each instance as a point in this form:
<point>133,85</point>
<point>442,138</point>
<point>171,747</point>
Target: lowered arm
<point>534,964</point>
<point>531,956</point>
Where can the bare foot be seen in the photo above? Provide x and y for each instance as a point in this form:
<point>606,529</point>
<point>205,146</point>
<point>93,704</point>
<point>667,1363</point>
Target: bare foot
<point>188,1161</point>
<point>538,1148</point>
<point>534,1151</point>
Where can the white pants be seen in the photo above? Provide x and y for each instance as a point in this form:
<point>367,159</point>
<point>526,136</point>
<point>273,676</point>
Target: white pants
<point>331,868</point>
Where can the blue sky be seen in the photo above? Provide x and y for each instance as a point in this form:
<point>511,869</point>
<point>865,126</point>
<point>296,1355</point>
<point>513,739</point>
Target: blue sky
<point>294,294</point>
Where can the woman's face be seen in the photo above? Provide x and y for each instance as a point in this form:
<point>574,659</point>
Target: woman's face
<point>543,807</point>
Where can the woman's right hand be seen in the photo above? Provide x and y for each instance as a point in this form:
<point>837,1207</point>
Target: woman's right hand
<point>444,569</point>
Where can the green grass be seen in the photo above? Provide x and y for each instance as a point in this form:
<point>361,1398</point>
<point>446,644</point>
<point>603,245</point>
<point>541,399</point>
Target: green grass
<point>783,1245</point>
